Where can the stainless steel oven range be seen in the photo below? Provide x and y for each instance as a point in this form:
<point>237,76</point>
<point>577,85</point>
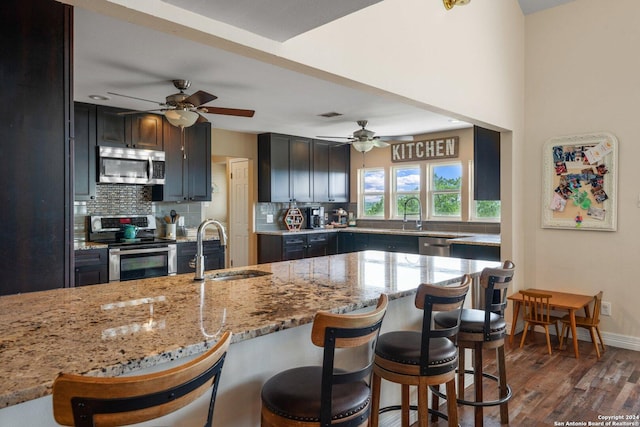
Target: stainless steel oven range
<point>139,257</point>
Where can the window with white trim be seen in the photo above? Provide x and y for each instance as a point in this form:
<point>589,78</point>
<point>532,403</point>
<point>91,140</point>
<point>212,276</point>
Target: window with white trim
<point>407,181</point>
<point>371,193</point>
<point>482,210</point>
<point>445,189</point>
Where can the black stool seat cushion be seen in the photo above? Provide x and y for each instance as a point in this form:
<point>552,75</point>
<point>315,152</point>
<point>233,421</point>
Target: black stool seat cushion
<point>295,394</point>
<point>404,347</point>
<point>471,321</point>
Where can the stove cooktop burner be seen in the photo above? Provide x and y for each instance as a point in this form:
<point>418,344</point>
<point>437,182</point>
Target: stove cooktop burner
<point>146,242</point>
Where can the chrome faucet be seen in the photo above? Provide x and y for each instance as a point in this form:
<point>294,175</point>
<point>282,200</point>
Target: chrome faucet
<point>419,220</point>
<point>199,260</point>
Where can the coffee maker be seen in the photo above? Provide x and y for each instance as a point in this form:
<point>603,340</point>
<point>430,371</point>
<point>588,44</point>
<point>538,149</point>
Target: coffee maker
<point>314,217</point>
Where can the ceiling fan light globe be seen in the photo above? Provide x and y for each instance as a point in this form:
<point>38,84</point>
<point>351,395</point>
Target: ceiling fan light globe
<point>363,146</point>
<point>181,118</point>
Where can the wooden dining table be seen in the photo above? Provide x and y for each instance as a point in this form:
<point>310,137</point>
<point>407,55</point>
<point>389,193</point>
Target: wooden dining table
<point>560,301</point>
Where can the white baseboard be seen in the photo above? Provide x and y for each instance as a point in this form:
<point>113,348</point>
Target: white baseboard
<point>610,339</point>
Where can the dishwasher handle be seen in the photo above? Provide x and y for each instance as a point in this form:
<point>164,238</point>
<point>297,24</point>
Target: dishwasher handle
<point>434,246</point>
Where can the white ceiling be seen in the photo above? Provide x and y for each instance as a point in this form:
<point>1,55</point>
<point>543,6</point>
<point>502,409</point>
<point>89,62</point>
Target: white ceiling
<point>115,56</point>
<point>533,6</point>
<point>277,20</point>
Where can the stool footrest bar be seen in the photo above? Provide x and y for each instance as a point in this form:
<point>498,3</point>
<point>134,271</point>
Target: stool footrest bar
<point>496,402</point>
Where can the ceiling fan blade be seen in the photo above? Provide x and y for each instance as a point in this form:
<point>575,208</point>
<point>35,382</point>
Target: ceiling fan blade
<point>335,137</point>
<point>139,99</point>
<point>407,138</point>
<point>126,113</point>
<point>227,111</point>
<point>199,98</point>
<point>380,144</point>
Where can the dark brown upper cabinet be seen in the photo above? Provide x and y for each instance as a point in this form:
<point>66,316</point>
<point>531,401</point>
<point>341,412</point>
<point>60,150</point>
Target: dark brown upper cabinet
<point>284,168</point>
<point>187,165</point>
<point>330,171</point>
<point>84,151</point>
<point>142,130</point>
<point>486,164</point>
<point>292,168</point>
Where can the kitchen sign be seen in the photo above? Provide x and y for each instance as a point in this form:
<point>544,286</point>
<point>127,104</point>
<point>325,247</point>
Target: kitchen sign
<point>442,148</point>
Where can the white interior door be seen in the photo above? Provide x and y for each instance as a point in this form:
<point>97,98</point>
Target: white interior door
<point>239,213</point>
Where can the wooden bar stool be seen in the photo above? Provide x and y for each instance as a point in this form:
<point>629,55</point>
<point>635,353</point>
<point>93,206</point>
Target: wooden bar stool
<point>327,395</point>
<point>81,401</point>
<point>422,358</point>
<point>480,330</point>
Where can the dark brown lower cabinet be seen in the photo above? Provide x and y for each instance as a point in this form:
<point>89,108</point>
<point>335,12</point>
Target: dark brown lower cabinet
<point>353,242</point>
<point>91,267</point>
<point>274,248</point>
<point>213,255</point>
<point>481,252</point>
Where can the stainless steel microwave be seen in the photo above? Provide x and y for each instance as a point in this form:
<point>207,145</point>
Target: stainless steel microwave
<point>130,166</point>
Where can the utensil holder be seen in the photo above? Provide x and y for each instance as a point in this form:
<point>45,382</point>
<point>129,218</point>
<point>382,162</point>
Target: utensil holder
<point>170,231</point>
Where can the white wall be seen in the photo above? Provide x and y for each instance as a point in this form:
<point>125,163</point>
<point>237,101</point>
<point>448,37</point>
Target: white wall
<point>583,75</point>
<point>218,206</point>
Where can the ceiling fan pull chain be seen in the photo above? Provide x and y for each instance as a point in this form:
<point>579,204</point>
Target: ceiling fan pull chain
<point>184,154</point>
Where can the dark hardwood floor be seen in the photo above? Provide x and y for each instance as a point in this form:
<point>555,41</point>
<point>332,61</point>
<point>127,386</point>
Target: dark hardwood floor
<point>558,390</point>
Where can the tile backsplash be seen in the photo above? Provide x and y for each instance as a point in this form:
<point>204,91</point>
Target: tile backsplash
<point>120,199</point>
<point>126,199</point>
<point>278,210</point>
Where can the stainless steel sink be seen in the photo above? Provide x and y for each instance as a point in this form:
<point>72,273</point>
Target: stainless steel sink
<point>235,275</point>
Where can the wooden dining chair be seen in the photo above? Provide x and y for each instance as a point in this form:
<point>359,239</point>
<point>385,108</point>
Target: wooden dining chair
<point>84,401</point>
<point>589,322</point>
<point>537,312</point>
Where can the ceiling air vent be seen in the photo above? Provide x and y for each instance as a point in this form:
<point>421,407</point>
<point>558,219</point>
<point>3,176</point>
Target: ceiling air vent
<point>331,114</point>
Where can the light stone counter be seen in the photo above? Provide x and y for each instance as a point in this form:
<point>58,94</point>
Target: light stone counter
<point>81,245</point>
<point>479,240</point>
<point>115,328</point>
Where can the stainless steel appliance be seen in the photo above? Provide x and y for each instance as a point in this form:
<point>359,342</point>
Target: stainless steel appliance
<point>314,217</point>
<point>141,257</point>
<point>130,166</point>
<point>435,246</point>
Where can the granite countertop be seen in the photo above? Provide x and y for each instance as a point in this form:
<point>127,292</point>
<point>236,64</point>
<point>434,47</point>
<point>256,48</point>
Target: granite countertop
<point>455,236</point>
<point>478,239</point>
<point>114,328</point>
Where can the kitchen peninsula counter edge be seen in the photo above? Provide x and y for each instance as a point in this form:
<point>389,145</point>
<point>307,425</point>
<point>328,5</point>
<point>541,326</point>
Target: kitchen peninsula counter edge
<point>116,328</point>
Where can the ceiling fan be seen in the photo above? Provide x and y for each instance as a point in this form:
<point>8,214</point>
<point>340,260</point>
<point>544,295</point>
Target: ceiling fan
<point>363,139</point>
<point>183,110</point>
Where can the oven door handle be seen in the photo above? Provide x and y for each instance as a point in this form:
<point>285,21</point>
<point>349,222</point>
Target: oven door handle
<point>139,251</point>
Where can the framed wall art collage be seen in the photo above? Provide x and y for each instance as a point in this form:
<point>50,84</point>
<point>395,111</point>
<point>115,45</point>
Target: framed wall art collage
<point>580,182</point>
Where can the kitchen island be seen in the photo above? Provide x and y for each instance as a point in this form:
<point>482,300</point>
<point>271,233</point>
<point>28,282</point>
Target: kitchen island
<point>137,326</point>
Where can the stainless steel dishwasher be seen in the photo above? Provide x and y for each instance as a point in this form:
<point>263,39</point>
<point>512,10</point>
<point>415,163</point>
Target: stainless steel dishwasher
<point>436,246</point>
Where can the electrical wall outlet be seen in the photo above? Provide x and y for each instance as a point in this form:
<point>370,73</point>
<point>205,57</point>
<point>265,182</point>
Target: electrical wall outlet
<point>269,218</point>
<point>605,308</point>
